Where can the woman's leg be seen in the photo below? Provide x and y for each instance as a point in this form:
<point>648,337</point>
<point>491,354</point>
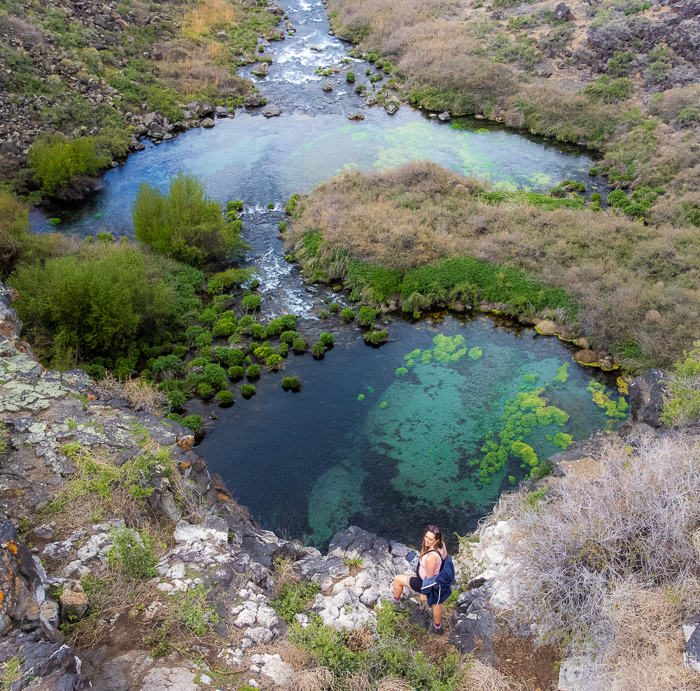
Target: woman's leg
<point>400,582</point>
<point>437,614</point>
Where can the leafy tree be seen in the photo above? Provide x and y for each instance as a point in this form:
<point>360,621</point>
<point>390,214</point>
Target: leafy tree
<point>185,224</point>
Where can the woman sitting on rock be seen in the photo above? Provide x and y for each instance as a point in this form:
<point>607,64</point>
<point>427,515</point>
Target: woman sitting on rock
<point>432,555</point>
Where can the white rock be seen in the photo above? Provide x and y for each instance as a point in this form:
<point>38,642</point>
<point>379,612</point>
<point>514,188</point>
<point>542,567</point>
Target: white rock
<point>260,635</point>
<point>245,618</point>
<point>186,533</point>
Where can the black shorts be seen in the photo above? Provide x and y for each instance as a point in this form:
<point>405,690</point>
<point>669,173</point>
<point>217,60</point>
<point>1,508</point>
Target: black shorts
<point>415,583</point>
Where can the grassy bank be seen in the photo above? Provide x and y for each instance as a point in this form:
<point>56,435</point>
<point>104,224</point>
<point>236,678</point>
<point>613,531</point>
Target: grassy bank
<point>426,236</point>
<point>613,77</point>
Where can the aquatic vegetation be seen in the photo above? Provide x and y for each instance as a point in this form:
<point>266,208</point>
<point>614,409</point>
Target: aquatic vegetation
<point>246,321</point>
<point>235,372</point>
<point>530,378</point>
<point>324,314</point>
<point>622,386</point>
<point>228,356</point>
<point>401,370</point>
<point>236,205</point>
<point>383,404</point>
<point>350,77</point>
<point>274,328</point>
<point>348,314</point>
<point>361,397</point>
<point>561,440</point>
<point>247,390</point>
<point>334,308</point>
<point>226,325</point>
<point>215,376</point>
<point>224,398</point>
<point>253,371</point>
<point>274,361</point>
<point>446,348</point>
<point>376,337</point>
<point>205,391</point>
<point>271,205</point>
<point>413,354</point>
<point>426,357</point>
<point>283,350</point>
<point>562,374</point>
<point>327,339</point>
<point>257,331</point>
<point>292,383</point>
<point>475,353</point>
<point>367,315</point>
<point>616,410</point>
<point>299,345</point>
<point>318,349</point>
<point>291,206</point>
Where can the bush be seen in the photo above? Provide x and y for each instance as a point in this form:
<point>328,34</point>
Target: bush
<point>318,350</point>
<point>193,423</point>
<point>620,64</point>
<point>235,372</point>
<point>205,391</point>
<point>327,339</point>
<point>291,383</point>
<point>224,398</point>
<point>14,232</point>
<point>348,314</point>
<point>376,337</point>
<point>283,349</point>
<point>289,336</point>
<point>247,390</point>
<point>257,330</point>
<point>334,308</point>
<point>682,402</point>
<point>609,90</point>
<point>215,376</point>
<point>253,371</point>
<point>100,299</point>
<point>350,77</point>
<point>251,302</point>
<point>135,552</point>
<point>367,316</point>
<point>58,162</point>
<point>294,598</point>
<point>598,538</point>
<point>299,345</point>
<point>185,224</point>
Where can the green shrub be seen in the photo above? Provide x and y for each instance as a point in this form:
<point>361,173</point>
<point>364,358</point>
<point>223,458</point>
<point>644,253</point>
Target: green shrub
<point>185,224</point>
<point>215,376</point>
<point>14,232</point>
<point>247,390</point>
<point>234,206</point>
<point>253,371</point>
<point>609,90</point>
<point>100,299</point>
<point>350,77</point>
<point>256,330</point>
<point>289,336</point>
<point>224,398</point>
<point>283,349</point>
<point>136,553</point>
<point>283,226</point>
<point>251,302</point>
<point>289,321</point>
<point>294,598</point>
<point>682,401</point>
<point>367,315</point>
<point>620,64</point>
<point>291,383</point>
<point>193,423</point>
<point>57,162</point>
<point>327,339</point>
<point>176,399</point>
<point>299,345</point>
<point>324,314</point>
<point>291,206</point>
<point>166,363</point>
<point>334,308</point>
<point>376,337</point>
<point>348,314</point>
<point>318,349</point>
<point>657,72</point>
<point>205,391</point>
<point>194,612</point>
<point>617,198</point>
<point>235,372</point>
<point>204,339</point>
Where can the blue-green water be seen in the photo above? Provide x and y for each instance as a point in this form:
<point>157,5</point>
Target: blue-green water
<point>434,425</point>
<point>392,451</point>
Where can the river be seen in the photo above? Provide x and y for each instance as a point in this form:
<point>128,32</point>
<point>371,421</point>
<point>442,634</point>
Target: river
<point>363,442</point>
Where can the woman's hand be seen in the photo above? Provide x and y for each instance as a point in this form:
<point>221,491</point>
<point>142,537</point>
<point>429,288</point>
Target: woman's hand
<point>423,598</point>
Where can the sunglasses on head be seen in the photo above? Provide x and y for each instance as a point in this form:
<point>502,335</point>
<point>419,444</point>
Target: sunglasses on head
<point>434,529</point>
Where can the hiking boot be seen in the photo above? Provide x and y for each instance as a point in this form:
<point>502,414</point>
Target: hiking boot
<point>434,631</point>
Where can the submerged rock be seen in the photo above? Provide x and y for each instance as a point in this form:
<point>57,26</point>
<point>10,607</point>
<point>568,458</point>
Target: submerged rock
<point>327,87</point>
<point>356,117</point>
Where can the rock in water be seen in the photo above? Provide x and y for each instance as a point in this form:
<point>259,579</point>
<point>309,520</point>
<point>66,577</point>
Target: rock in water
<point>327,87</point>
<point>356,117</point>
<point>444,117</point>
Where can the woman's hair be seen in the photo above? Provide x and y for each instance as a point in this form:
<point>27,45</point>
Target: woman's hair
<point>439,544</point>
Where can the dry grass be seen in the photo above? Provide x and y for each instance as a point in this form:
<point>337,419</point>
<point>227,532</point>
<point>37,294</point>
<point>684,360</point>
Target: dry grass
<point>318,679</point>
<point>392,684</point>
<point>208,15</point>
<point>199,67</point>
<point>610,565</point>
<point>139,394</point>
<point>618,270</point>
<point>482,677</point>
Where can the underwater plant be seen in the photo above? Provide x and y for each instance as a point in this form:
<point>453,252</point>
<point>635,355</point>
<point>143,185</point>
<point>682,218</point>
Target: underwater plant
<point>376,337</point>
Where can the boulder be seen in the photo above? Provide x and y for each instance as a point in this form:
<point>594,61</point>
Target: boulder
<point>272,111</point>
<point>444,117</point>
<point>646,397</point>
<point>356,117</point>
<point>327,87</point>
<point>208,123</point>
<point>222,112</point>
<point>561,11</point>
<point>74,602</point>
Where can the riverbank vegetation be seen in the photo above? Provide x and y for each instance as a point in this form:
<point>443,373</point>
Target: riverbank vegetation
<point>601,570</point>
<point>420,235</point>
<point>613,76</point>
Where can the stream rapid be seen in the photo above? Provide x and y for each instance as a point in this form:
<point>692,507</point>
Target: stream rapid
<point>363,442</point>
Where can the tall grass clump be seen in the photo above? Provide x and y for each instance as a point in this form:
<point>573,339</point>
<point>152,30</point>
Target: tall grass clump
<point>185,224</point>
<point>583,560</point>
<point>682,402</point>
<point>14,231</point>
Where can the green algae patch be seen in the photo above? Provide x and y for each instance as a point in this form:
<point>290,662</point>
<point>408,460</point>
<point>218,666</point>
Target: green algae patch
<point>412,355</point>
<point>475,353</point>
<point>562,374</point>
<point>617,410</point>
<point>426,357</point>
<point>361,397</point>
<point>401,370</point>
<point>562,440</point>
<point>530,378</point>
<point>383,404</point>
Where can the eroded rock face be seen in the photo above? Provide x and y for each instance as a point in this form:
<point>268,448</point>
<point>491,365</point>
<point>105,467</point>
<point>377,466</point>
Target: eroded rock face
<point>646,397</point>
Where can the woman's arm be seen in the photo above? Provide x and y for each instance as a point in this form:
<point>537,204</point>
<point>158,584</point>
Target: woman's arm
<point>430,565</point>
